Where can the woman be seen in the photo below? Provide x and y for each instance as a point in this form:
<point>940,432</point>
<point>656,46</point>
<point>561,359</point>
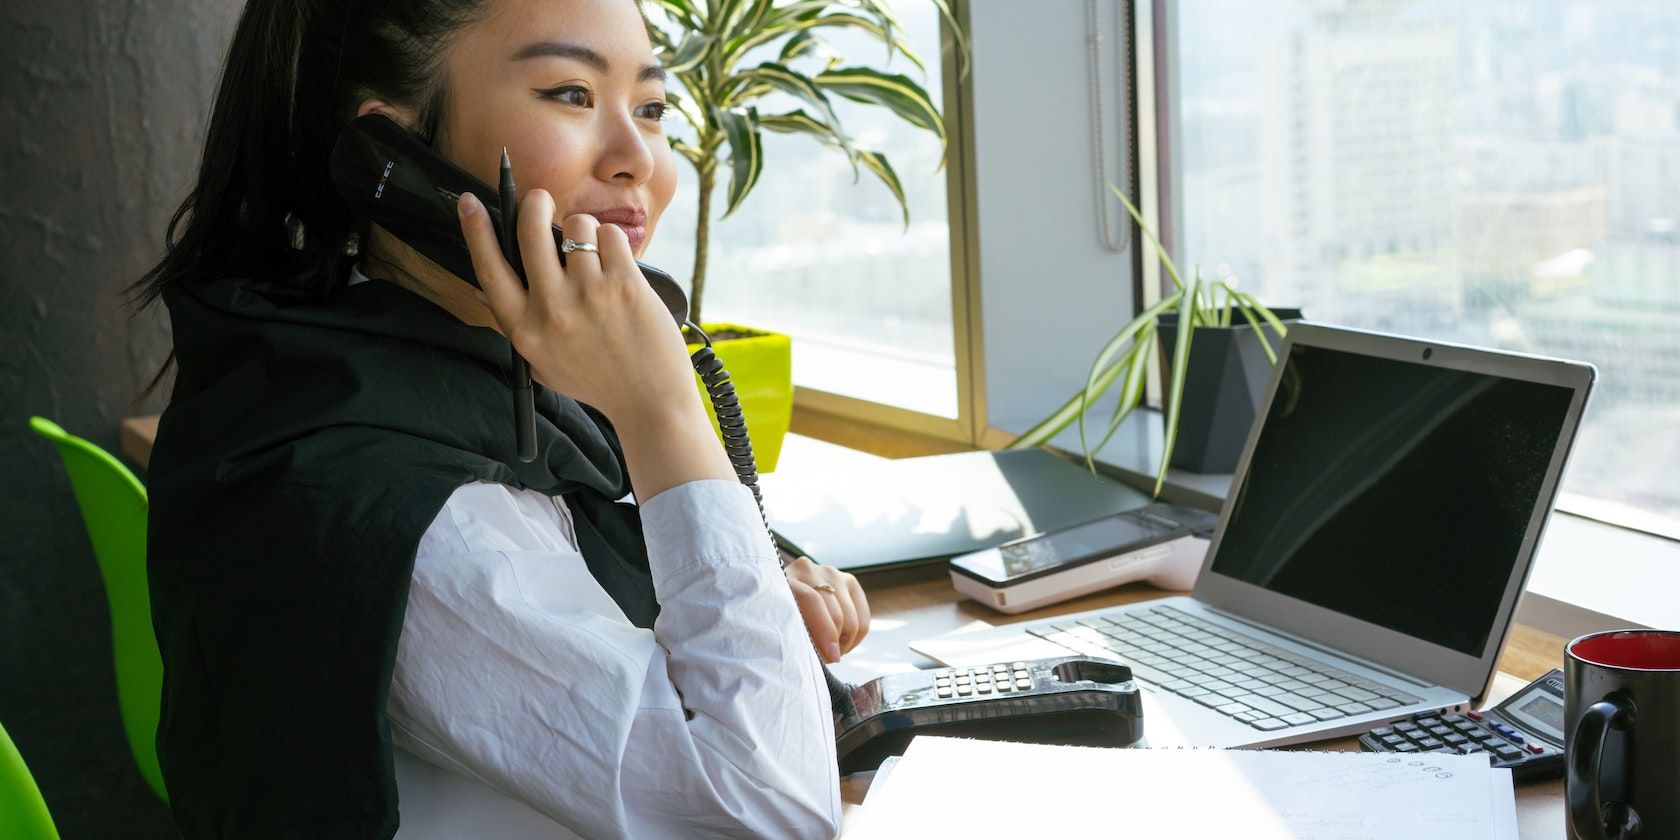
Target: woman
<point>345,553</point>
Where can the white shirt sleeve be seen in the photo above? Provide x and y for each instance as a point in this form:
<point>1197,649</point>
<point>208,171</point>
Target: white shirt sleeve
<point>516,671</point>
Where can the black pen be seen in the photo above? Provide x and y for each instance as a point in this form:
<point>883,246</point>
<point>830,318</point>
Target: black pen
<point>524,399</point>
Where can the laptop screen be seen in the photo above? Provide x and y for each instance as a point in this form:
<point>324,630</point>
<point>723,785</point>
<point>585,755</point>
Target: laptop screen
<point>1393,492</point>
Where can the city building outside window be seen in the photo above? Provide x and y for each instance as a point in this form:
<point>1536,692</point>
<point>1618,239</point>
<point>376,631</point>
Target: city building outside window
<point>1502,173</point>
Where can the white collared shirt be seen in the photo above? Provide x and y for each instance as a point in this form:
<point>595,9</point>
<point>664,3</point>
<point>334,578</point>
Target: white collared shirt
<point>538,705</point>
<point>525,704</point>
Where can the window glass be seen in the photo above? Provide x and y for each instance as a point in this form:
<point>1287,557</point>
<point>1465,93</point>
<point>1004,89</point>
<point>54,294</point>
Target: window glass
<point>1503,173</point>
<point>828,261</point>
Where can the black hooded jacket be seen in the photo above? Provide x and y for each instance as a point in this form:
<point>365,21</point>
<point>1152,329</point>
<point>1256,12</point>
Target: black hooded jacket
<point>308,444</point>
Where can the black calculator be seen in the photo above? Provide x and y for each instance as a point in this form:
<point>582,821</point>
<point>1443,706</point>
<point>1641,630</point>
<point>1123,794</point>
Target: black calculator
<point>1524,733</point>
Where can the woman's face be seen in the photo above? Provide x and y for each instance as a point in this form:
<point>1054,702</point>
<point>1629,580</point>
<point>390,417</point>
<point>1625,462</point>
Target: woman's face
<point>571,89</point>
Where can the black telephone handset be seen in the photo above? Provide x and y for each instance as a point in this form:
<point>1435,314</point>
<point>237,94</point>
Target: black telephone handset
<point>386,172</point>
<point>389,174</point>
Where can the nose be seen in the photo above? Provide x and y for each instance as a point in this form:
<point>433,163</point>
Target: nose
<point>624,154</point>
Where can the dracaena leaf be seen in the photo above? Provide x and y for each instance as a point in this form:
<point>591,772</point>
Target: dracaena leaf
<point>834,20</point>
<point>690,53</point>
<point>746,154</point>
<point>894,91</point>
<point>779,77</point>
<point>877,163</point>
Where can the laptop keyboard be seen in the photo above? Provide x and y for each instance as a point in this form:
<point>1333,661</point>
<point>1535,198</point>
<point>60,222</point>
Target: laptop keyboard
<point>1230,672</point>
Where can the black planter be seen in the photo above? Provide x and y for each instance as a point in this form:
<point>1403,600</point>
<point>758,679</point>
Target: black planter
<point>1227,376</point>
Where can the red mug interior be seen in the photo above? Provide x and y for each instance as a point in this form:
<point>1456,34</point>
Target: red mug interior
<point>1646,650</point>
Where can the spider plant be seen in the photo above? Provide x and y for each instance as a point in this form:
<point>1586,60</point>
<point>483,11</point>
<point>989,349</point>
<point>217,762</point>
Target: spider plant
<point>1125,357</point>
<point>706,45</point>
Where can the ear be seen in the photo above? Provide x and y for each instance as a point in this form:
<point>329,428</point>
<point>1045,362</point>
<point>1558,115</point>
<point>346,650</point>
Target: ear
<point>379,106</point>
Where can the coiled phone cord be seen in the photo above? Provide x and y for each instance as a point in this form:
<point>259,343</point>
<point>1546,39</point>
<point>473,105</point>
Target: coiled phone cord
<point>733,424</point>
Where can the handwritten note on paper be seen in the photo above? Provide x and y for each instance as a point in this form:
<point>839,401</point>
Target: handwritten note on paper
<point>945,786</point>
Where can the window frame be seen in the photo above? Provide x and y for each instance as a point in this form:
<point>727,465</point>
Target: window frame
<point>883,427</point>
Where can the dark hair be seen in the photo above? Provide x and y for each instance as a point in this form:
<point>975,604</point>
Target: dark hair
<point>295,74</point>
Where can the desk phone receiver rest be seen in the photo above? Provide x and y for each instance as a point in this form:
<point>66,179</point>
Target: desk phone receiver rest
<point>1070,700</point>
<point>391,176</point>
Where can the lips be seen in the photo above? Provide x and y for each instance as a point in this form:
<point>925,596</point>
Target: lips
<point>630,219</point>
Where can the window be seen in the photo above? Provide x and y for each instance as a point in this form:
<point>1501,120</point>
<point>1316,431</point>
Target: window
<point>1503,173</point>
<point>811,254</point>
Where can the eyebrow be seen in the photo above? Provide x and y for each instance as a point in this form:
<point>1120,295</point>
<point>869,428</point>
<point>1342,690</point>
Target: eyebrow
<point>584,54</point>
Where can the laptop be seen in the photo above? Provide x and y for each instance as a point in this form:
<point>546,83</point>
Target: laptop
<point>1379,530</point>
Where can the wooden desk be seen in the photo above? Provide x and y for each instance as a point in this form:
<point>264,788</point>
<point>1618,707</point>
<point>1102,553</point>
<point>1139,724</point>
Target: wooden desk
<point>916,604</point>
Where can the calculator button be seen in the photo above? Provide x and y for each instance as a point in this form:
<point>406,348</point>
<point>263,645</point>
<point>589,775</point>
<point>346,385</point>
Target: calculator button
<point>1429,721</point>
<point>1473,715</point>
<point>1405,726</point>
<point>1023,683</point>
<point>1452,719</point>
<point>1508,753</point>
<point>1454,739</point>
<point>984,688</point>
<point>1392,740</point>
<point>943,691</point>
<point>1438,731</point>
<point>964,689</point>
<point>1004,685</point>
<point>1381,731</point>
<point>1429,743</point>
<point>1405,748</point>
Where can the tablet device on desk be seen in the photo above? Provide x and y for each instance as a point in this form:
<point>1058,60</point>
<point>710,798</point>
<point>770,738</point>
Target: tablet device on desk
<point>902,512</point>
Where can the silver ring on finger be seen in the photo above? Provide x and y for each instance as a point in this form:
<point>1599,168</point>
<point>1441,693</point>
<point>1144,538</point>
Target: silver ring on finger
<point>569,245</point>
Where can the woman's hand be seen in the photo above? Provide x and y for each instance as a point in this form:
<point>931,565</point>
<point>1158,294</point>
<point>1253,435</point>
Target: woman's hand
<point>595,331</point>
<point>835,610</point>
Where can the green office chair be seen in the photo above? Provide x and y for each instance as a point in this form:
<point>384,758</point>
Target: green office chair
<point>23,814</point>
<point>113,504</point>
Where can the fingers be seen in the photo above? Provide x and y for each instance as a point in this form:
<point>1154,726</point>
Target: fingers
<point>848,621</point>
<point>819,619</point>
<point>582,266</point>
<point>861,603</point>
<point>844,605</point>
<point>501,286</point>
<point>615,251</point>
<point>536,245</point>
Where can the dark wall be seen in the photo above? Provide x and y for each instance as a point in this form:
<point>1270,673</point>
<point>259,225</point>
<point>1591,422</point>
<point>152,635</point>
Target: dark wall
<point>103,106</point>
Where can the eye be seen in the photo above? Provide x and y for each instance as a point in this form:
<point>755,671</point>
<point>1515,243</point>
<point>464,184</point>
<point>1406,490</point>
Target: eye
<point>655,111</point>
<point>577,96</point>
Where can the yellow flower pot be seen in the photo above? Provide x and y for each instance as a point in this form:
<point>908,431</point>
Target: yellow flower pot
<point>760,364</point>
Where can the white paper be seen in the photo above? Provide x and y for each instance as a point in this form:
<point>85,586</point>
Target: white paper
<point>1504,804</point>
<point>948,786</point>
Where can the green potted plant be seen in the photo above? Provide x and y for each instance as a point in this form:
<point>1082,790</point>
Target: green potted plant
<point>1216,374</point>
<point>727,55</point>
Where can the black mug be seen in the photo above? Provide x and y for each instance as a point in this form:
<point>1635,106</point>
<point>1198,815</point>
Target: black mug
<point>1622,735</point>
